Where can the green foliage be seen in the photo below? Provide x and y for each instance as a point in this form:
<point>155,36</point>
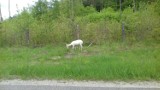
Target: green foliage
<point>54,10</point>
<point>106,14</point>
<point>157,7</point>
<point>40,8</point>
<point>115,4</point>
<point>14,30</point>
<point>155,34</point>
<point>101,32</point>
<point>83,11</point>
<point>56,22</point>
<point>140,25</point>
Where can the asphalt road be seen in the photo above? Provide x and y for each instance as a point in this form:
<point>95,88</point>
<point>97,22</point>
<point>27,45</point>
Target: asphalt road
<point>55,87</point>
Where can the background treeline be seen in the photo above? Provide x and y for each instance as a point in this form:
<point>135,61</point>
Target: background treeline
<point>94,21</point>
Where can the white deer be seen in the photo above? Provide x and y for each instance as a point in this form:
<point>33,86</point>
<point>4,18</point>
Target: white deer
<point>75,43</point>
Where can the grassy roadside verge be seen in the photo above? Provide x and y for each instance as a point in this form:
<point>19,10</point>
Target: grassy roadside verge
<point>105,62</point>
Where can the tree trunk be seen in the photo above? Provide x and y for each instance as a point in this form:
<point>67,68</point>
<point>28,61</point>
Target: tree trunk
<point>77,31</point>
<point>9,9</point>
<point>134,5</point>
<point>123,32</point>
<point>27,37</point>
<point>1,18</point>
<point>123,29</point>
<point>120,2</point>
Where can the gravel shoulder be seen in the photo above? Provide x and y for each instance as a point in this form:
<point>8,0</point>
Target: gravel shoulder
<point>145,84</point>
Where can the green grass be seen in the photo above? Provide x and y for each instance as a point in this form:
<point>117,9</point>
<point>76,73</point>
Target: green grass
<point>106,62</point>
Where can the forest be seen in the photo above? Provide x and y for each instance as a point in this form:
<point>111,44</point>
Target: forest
<point>57,22</point>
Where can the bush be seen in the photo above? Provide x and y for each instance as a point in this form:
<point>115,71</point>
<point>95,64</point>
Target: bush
<point>98,27</point>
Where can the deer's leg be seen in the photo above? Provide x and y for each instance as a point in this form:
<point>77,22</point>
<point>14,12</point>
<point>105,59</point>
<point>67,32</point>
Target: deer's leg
<point>81,46</point>
<point>72,46</point>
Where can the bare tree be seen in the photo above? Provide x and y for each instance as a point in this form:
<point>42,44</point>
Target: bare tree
<point>17,8</point>
<point>1,18</point>
<point>9,8</point>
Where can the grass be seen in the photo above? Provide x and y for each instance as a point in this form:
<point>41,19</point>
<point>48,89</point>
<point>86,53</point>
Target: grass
<point>106,62</point>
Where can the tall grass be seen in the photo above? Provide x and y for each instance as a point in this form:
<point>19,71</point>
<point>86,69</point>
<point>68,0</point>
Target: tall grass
<point>105,62</point>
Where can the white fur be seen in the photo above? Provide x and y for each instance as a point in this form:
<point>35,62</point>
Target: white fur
<point>75,43</point>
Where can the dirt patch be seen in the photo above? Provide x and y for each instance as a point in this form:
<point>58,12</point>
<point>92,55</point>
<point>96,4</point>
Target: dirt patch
<point>69,55</point>
<point>56,57</point>
<point>72,54</point>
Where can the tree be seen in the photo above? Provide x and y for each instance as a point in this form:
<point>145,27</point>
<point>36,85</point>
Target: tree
<point>54,9</point>
<point>24,20</point>
<point>98,4</point>
<point>40,8</point>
